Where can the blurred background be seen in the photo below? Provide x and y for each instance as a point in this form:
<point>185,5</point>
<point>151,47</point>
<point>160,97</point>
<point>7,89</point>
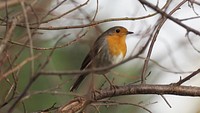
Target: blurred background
<point>174,56</point>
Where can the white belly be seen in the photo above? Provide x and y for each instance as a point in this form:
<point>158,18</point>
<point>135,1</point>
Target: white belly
<point>117,59</point>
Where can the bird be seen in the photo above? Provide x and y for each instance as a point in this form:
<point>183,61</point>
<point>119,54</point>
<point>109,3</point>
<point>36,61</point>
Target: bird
<point>108,49</point>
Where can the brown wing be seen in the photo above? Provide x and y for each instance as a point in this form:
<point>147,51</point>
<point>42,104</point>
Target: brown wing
<point>99,44</point>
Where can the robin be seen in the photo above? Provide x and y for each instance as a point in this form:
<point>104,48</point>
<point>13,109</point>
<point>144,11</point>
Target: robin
<point>108,49</point>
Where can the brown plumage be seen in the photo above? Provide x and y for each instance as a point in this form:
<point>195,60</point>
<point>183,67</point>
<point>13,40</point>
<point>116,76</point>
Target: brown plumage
<point>109,48</point>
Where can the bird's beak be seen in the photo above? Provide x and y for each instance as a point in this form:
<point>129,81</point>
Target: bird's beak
<point>129,32</point>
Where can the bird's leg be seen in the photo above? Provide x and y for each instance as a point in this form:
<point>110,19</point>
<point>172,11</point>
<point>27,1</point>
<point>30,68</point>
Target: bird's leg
<point>112,86</point>
<point>92,86</point>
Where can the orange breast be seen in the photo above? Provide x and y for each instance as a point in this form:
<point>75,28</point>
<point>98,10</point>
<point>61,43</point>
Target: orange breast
<point>117,45</point>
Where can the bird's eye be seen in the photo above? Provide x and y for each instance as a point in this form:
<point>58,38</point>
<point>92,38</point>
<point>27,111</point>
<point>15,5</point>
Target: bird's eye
<point>117,30</point>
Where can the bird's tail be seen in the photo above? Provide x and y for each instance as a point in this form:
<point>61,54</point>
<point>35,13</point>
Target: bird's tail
<point>77,82</point>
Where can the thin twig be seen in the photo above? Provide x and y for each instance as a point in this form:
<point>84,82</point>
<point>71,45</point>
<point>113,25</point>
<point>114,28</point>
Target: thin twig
<point>189,40</point>
<point>8,35</point>
<point>177,21</point>
<point>122,103</point>
<point>19,66</point>
<point>91,24</point>
<point>32,80</point>
<point>157,30</point>
<point>187,78</point>
<point>50,48</point>
<point>68,12</point>
<point>29,34</point>
<point>9,3</point>
<point>166,101</point>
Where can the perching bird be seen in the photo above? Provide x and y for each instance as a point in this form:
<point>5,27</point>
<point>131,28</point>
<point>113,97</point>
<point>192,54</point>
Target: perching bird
<point>109,48</point>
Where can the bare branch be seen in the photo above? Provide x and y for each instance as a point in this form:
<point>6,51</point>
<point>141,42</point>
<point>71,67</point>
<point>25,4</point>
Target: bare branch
<point>19,66</point>
<point>80,103</point>
<point>188,28</point>
<point>8,35</point>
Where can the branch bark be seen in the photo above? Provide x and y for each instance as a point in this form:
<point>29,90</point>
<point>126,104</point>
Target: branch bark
<point>79,103</point>
<point>177,21</point>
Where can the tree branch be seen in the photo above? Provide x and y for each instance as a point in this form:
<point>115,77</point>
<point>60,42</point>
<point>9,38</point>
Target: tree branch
<point>177,21</point>
<point>80,103</point>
